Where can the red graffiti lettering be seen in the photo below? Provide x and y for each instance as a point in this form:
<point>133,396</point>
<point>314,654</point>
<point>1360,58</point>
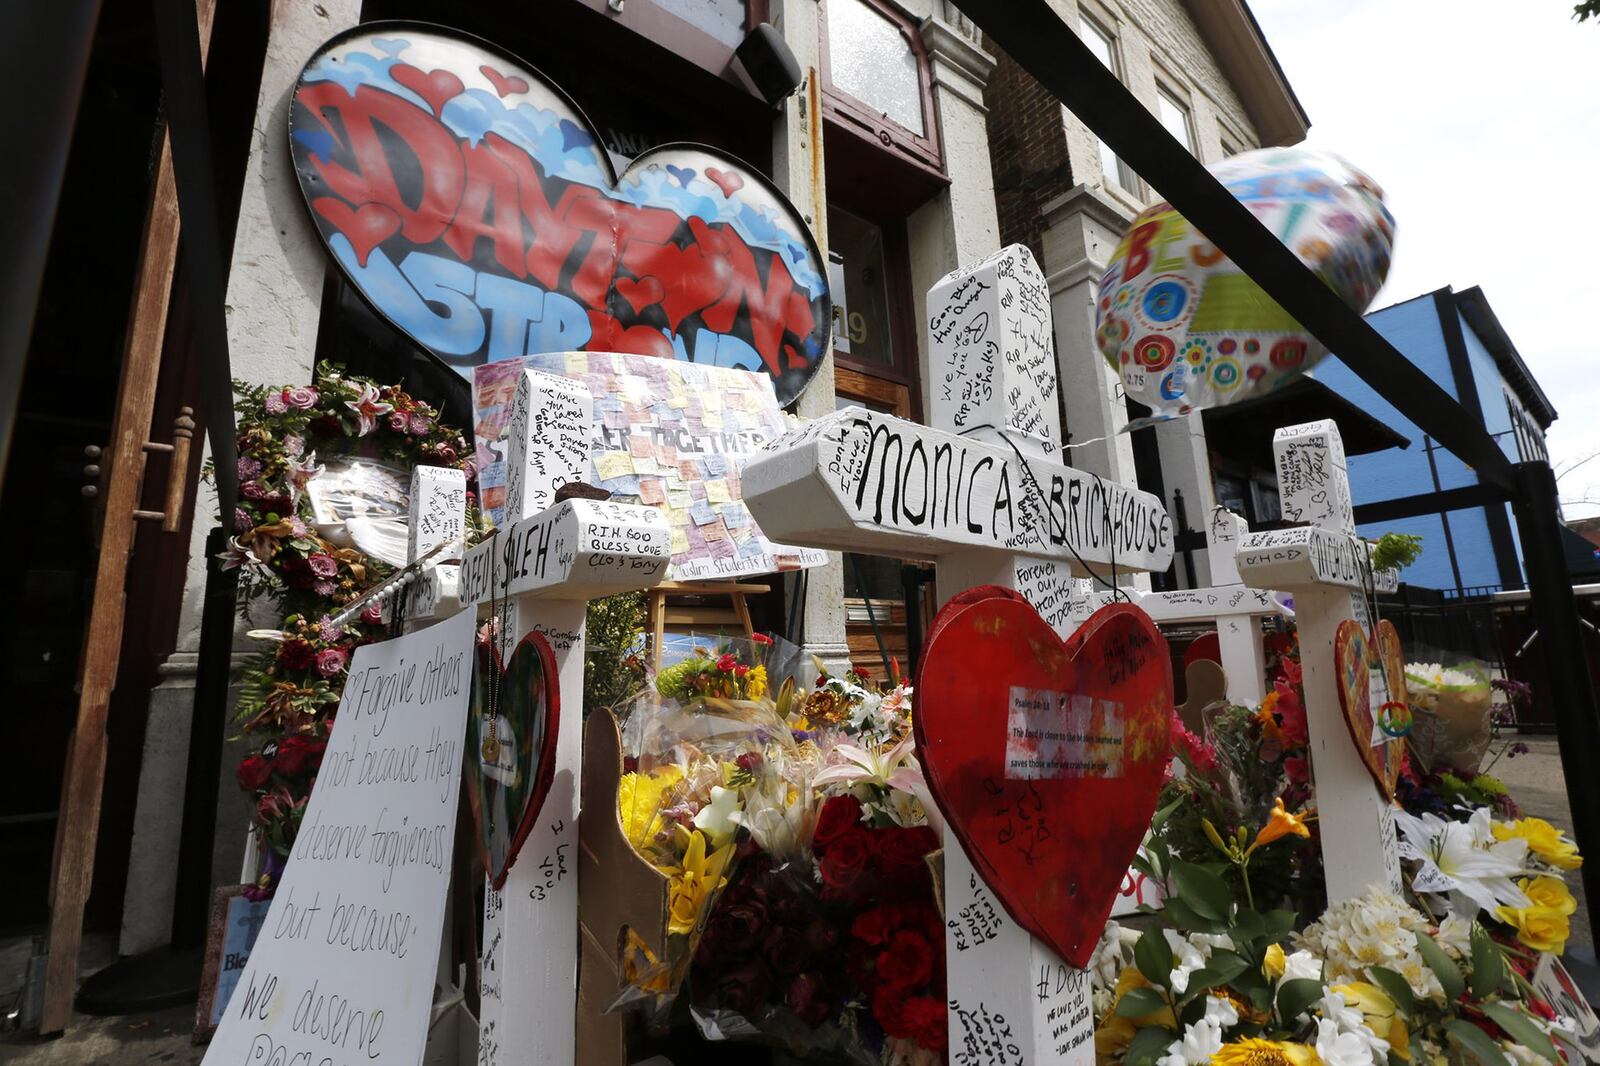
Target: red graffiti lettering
<point>565,236</point>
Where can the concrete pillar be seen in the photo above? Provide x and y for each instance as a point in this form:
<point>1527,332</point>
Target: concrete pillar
<point>960,225</point>
<point>798,169</point>
<point>1186,468</point>
<point>274,307</point>
<point>1081,228</point>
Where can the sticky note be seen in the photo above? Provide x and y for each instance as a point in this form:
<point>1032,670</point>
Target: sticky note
<point>680,500</point>
<point>651,492</point>
<point>717,491</point>
<point>610,465</point>
<point>716,464</point>
<point>680,541</point>
<point>703,514</point>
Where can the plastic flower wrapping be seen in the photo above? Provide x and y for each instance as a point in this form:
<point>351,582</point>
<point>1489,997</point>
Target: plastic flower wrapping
<point>791,821</point>
<point>1452,724</point>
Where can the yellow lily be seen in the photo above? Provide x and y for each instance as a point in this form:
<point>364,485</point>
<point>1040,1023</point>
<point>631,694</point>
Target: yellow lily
<point>694,884</point>
<point>1280,823</point>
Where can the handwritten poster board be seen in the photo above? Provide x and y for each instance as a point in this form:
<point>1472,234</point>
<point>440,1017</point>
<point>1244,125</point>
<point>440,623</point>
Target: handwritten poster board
<point>343,967</point>
<point>666,434</point>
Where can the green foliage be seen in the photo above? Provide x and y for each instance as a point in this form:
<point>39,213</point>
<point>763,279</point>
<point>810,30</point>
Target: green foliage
<point>1443,967</point>
<point>613,666</point>
<point>1586,10</point>
<point>1396,551</point>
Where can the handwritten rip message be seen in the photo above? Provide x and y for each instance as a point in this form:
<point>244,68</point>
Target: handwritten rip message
<point>343,968</point>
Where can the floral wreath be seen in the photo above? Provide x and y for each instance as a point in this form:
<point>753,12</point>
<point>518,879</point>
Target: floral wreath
<point>290,692</point>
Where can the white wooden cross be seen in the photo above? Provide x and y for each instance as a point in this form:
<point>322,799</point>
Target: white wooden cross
<point>437,515</point>
<point>546,564</point>
<point>985,496</point>
<point>1329,571</point>
<point>1234,607</point>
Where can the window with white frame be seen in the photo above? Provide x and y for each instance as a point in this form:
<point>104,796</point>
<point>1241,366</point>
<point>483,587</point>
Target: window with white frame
<point>1174,115</point>
<point>1103,45</point>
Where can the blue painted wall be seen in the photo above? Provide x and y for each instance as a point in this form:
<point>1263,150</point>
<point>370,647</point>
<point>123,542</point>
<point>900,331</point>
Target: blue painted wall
<point>1413,327</point>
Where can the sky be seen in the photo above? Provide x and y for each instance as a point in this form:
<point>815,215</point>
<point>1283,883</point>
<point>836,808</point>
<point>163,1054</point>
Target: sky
<point>1481,120</point>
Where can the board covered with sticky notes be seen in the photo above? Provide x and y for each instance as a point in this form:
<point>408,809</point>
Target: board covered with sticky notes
<point>667,434</point>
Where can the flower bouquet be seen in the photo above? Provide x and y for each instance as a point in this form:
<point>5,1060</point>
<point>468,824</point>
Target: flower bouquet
<point>713,763</point>
<point>1452,724</point>
<point>832,943</point>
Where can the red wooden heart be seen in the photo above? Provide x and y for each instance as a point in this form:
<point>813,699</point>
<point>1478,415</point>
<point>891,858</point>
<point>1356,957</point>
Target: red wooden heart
<point>511,747</point>
<point>1354,658</point>
<point>1045,756</point>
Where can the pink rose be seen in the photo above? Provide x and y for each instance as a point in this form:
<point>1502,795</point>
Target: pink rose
<point>331,661</point>
<point>301,397</point>
<point>252,490</point>
<point>398,422</point>
<point>324,588</point>
<point>322,564</point>
<point>373,612</point>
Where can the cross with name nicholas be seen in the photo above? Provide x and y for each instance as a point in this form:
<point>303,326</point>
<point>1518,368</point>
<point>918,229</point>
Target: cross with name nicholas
<point>1329,570</point>
<point>984,495</point>
<point>540,571</point>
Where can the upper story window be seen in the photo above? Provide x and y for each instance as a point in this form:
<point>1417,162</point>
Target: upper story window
<point>1174,115</point>
<point>1103,45</point>
<point>875,76</point>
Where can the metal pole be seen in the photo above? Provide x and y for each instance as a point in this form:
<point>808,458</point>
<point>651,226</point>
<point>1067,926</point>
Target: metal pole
<point>1555,613</point>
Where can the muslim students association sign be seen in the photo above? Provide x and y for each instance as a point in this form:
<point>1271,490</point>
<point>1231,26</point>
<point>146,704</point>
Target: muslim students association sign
<point>473,205</point>
<point>344,965</point>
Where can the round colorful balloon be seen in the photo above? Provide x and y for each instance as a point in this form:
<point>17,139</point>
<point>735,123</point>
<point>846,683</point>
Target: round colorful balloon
<point>1188,330</point>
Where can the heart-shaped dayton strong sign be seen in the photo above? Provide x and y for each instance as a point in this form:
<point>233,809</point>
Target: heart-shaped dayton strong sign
<point>1046,757</point>
<point>1371,673</point>
<point>511,746</point>
<point>473,205</point>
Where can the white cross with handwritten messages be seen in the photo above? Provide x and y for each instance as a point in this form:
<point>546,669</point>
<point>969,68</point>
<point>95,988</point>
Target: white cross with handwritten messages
<point>986,497</point>
<point>547,563</point>
<point>1327,567</point>
<point>1233,607</point>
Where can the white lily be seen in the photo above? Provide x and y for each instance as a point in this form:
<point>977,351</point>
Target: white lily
<point>1480,867</point>
<point>892,768</point>
<point>719,818</point>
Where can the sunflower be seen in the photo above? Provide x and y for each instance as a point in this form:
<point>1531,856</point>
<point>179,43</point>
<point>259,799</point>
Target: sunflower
<point>1252,1051</point>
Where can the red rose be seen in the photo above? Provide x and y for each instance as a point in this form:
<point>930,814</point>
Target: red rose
<point>761,638</point>
<point>907,963</point>
<point>888,1006</point>
<point>253,773</point>
<point>876,926</point>
<point>808,998</point>
<point>297,754</point>
<point>322,564</point>
<point>297,655</point>
<point>847,868</point>
<point>838,816</point>
<point>926,1022</point>
<point>901,852</point>
<point>726,663</point>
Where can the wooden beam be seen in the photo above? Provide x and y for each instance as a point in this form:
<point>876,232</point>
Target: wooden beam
<point>78,828</point>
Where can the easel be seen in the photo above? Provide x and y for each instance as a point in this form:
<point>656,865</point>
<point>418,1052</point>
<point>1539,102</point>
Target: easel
<point>663,614</point>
